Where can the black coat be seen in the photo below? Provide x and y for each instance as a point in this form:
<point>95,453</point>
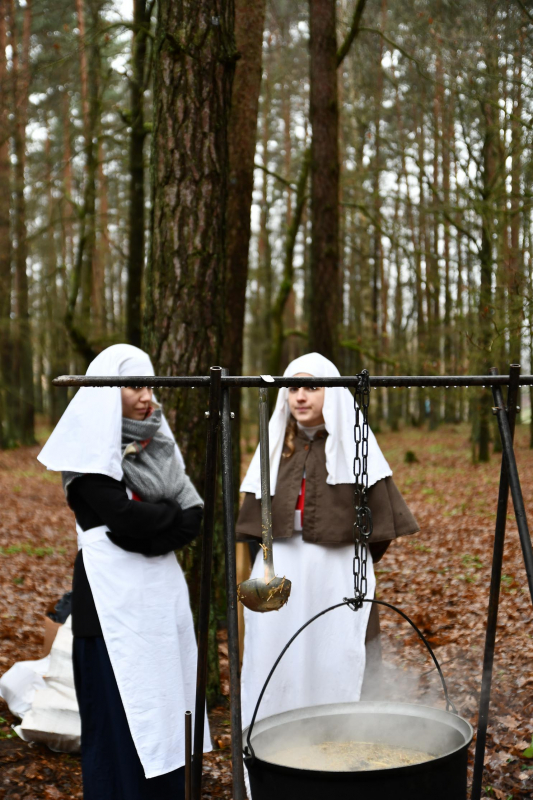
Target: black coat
<point>152,529</point>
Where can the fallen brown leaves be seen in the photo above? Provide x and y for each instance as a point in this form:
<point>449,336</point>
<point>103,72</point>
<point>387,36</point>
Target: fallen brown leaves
<point>440,577</point>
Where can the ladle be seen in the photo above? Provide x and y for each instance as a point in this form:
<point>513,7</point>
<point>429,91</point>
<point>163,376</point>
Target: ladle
<point>268,593</point>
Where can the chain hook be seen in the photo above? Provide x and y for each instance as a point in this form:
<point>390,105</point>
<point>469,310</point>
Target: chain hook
<point>362,528</point>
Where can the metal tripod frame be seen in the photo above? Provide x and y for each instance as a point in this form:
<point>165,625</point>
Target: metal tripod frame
<point>219,417</point>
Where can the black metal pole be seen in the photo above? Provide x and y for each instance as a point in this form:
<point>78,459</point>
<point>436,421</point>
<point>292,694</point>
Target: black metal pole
<point>239,791</point>
<point>494,594</point>
<point>249,381</point>
<point>188,754</point>
<point>205,580</point>
<point>514,483</point>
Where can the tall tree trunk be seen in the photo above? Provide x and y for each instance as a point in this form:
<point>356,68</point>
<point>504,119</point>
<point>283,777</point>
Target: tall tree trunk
<point>141,28</point>
<point>284,291</point>
<point>417,261</point>
<point>242,135</point>
<point>447,131</point>
<point>80,13</point>
<point>379,284</point>
<point>23,342</point>
<point>66,212</point>
<point>395,399</point>
<point>98,306</point>
<point>493,166</point>
<point>6,402</point>
<point>264,250</point>
<point>81,279</point>
<point>184,308</point>
<point>424,328</point>
<point>516,267</point>
<point>432,255</point>
<point>486,269</point>
<point>325,296</point>
<point>87,315</point>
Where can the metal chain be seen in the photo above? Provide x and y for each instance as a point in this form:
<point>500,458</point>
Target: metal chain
<point>362,528</point>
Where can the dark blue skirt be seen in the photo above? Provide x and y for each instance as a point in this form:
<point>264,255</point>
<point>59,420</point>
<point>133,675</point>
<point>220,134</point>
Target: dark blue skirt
<point>110,765</point>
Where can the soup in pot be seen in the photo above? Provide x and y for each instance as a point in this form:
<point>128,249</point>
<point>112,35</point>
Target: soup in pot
<point>347,756</point>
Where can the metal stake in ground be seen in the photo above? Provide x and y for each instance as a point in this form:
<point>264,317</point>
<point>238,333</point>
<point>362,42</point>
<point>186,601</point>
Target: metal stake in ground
<point>239,792</point>
<point>514,483</point>
<point>494,596</point>
<point>205,580</point>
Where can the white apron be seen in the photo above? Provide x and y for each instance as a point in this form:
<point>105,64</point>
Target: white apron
<point>145,615</point>
<point>326,663</point>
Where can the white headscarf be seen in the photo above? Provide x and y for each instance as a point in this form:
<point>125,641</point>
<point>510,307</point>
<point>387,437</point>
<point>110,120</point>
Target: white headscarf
<point>87,438</point>
<point>339,417</point>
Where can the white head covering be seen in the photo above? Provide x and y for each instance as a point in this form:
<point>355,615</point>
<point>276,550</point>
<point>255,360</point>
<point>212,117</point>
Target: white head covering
<point>339,417</point>
<point>87,438</point>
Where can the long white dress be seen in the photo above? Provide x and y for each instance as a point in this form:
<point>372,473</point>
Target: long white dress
<point>326,663</point>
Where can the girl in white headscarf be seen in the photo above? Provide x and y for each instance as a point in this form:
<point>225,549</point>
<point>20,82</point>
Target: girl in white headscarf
<point>134,646</point>
<point>312,450</point>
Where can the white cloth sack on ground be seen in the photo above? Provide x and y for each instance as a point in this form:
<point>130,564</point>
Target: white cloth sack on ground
<point>19,684</point>
<point>54,718</point>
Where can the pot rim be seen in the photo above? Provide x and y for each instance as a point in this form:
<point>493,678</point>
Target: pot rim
<point>364,706</point>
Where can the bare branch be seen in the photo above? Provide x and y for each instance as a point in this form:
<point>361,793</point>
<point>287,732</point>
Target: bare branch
<point>342,52</point>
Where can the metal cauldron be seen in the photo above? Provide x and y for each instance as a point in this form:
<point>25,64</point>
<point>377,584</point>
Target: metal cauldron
<point>442,734</point>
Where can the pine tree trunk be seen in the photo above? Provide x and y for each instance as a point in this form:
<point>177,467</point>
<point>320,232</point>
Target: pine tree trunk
<point>249,24</point>
<point>264,249</point>
<point>23,358</point>
<point>80,13</point>
<point>88,253</point>
<point>486,270</point>
<point>516,255</point>
<point>325,295</point>
<point>287,278</point>
<point>98,308</point>
<point>492,172</point>
<point>81,282</point>
<point>193,74</point>
<point>242,136</point>
<point>449,365</point>
<point>141,23</point>
<point>432,257</point>
<point>423,322</point>
<point>6,402</point>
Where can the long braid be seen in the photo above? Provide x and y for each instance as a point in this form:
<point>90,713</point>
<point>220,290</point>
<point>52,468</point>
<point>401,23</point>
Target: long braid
<point>290,435</point>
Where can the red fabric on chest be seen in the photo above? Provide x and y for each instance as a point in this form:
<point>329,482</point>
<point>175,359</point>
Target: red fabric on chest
<point>301,501</point>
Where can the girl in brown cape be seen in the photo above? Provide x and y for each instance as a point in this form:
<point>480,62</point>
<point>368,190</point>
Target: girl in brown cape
<point>312,482</point>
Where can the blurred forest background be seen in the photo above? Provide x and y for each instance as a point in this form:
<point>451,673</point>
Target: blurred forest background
<point>359,173</point>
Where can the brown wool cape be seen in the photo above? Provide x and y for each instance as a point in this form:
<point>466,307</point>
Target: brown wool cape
<point>329,513</point>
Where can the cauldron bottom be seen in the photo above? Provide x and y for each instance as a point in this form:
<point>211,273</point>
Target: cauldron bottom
<point>442,734</point>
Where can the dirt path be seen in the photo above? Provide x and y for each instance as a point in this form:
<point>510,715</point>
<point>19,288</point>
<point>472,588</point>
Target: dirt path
<point>440,577</point>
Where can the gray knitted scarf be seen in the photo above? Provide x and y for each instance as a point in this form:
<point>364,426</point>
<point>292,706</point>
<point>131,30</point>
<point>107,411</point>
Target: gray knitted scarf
<point>151,467</point>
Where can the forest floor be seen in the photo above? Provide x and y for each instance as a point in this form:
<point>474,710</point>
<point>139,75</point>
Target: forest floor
<point>439,576</point>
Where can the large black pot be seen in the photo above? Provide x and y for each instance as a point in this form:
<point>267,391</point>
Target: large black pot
<point>440,733</point>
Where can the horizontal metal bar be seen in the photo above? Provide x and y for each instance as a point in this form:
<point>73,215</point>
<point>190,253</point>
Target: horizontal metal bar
<point>155,381</point>
<point>446,381</point>
<point>386,381</point>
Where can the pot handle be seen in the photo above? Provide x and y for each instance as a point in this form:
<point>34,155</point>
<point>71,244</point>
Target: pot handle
<point>352,603</point>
